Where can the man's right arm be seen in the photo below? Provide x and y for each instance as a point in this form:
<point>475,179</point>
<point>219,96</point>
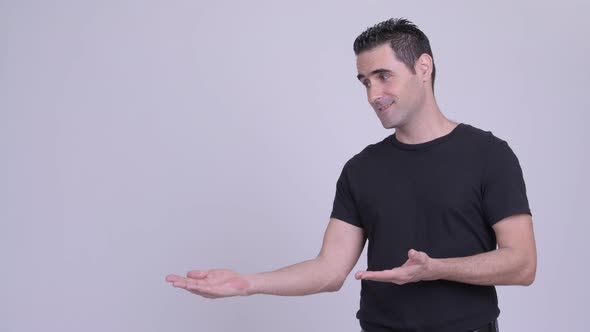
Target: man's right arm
<point>342,245</point>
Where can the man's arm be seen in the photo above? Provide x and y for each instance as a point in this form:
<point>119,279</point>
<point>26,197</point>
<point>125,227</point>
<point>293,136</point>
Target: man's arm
<point>513,263</point>
<point>342,245</point>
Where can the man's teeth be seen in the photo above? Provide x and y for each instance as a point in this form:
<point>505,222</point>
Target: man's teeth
<point>386,106</point>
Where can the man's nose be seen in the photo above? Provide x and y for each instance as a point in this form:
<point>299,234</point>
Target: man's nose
<point>374,94</point>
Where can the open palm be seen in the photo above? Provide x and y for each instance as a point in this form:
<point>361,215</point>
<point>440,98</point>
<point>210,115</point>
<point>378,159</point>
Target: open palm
<point>211,284</point>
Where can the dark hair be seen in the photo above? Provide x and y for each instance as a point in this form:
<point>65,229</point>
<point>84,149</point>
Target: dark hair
<point>406,40</point>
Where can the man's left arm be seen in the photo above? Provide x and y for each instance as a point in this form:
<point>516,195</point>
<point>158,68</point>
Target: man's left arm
<point>514,262</point>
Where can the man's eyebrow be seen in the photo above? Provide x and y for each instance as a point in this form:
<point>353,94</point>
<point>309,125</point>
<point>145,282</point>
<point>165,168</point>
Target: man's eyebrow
<point>376,71</point>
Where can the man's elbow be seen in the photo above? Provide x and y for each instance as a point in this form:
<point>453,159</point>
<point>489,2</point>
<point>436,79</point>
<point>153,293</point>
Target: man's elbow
<point>529,273</point>
<point>335,284</point>
<point>333,288</point>
<point>528,280</point>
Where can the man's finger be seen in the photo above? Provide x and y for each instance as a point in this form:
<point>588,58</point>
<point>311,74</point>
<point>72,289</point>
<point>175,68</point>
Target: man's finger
<point>204,291</point>
<point>387,275</point>
<point>197,287</point>
<point>180,283</point>
<point>196,274</point>
<point>172,277</point>
<point>199,290</point>
<point>417,256</point>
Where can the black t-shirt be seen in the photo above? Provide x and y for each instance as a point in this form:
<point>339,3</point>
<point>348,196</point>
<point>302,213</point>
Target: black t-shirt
<point>440,197</point>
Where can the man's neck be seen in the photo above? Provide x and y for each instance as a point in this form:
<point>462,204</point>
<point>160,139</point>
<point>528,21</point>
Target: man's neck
<point>427,125</point>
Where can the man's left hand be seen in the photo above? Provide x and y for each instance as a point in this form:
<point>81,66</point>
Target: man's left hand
<point>418,267</point>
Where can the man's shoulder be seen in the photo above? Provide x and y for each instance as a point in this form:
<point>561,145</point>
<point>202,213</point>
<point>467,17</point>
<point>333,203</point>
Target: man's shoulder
<point>369,155</point>
<point>479,137</point>
<point>373,150</point>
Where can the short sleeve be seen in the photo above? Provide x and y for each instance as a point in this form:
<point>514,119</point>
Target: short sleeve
<point>345,207</point>
<point>504,192</point>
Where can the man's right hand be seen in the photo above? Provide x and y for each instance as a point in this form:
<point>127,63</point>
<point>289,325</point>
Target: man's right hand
<point>211,284</point>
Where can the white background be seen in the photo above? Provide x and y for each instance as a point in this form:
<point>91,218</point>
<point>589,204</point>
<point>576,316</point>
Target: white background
<point>141,138</point>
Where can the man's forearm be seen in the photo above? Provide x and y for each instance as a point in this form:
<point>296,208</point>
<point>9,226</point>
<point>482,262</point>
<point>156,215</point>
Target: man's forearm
<point>309,277</point>
<point>504,266</point>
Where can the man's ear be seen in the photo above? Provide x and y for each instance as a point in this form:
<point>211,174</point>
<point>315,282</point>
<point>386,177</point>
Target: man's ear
<point>423,67</point>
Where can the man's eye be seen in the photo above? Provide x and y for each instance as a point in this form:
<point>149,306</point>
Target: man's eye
<point>366,83</point>
<point>385,76</point>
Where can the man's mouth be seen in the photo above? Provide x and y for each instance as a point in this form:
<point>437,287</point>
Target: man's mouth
<point>384,107</point>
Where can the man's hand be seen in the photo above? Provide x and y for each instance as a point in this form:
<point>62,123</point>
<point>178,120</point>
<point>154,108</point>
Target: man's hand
<point>418,267</point>
<point>211,284</point>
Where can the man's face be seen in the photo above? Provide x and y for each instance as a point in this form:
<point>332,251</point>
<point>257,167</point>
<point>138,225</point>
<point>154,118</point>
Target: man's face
<point>394,92</point>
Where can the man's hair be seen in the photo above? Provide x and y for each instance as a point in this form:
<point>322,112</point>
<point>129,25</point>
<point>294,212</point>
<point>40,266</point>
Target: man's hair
<point>406,40</point>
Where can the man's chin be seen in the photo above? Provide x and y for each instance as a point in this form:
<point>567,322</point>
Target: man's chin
<point>387,122</point>
<point>388,125</point>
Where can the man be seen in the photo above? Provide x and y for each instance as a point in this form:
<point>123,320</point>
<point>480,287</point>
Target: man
<point>443,206</point>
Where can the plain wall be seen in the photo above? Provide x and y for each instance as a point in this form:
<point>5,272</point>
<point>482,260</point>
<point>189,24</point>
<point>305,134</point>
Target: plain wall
<point>141,138</point>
